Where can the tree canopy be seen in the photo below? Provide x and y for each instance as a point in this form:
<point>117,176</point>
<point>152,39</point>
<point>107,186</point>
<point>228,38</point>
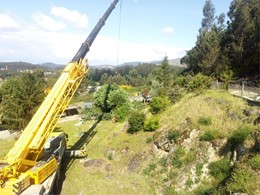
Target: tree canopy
<point>235,47</point>
<point>110,97</point>
<point>19,97</point>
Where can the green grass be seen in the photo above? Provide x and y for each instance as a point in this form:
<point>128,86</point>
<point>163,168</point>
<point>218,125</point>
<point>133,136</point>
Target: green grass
<point>213,105</point>
<point>107,135</point>
<point>5,146</point>
<point>118,180</point>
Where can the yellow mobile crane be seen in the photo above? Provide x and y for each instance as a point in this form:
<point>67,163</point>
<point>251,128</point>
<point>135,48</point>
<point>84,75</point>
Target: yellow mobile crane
<point>32,165</point>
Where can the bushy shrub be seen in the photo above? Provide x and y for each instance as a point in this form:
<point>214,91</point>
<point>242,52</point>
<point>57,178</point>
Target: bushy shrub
<point>170,191</point>
<point>173,136</point>
<point>208,136</point>
<point>254,162</point>
<point>136,121</point>
<point>150,168</point>
<point>91,113</point>
<point>199,169</point>
<point>180,81</point>
<point>163,161</point>
<point>177,160</point>
<point>149,140</point>
<point>158,104</point>
<point>151,124</point>
<point>240,135</point>
<point>176,93</point>
<point>121,112</point>
<point>138,105</point>
<point>205,121</point>
<point>110,97</point>
<point>199,83</point>
<point>220,169</point>
<point>242,180</point>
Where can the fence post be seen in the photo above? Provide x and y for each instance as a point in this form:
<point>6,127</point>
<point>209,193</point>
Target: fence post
<point>242,89</point>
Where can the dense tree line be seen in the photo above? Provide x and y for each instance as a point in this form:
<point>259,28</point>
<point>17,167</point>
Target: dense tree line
<point>140,75</point>
<point>233,47</point>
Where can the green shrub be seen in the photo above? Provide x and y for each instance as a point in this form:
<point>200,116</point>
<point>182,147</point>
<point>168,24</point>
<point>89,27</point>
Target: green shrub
<point>176,93</point>
<point>254,162</point>
<point>149,140</point>
<point>208,136</point>
<point>109,97</point>
<point>138,105</point>
<point>199,169</point>
<point>110,156</point>
<point>240,135</point>
<point>151,124</point>
<point>170,191</point>
<point>91,113</point>
<point>173,174</point>
<point>189,182</point>
<point>136,122</point>
<point>163,161</point>
<point>177,160</point>
<point>121,112</point>
<point>150,168</point>
<point>158,104</point>
<point>220,169</point>
<point>242,180</point>
<point>190,157</point>
<point>205,121</point>
<point>180,81</point>
<point>199,82</point>
<point>173,136</point>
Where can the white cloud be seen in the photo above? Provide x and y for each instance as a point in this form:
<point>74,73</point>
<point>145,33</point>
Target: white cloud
<point>8,23</point>
<point>70,16</point>
<point>48,23</point>
<point>36,45</point>
<point>168,30</point>
<point>104,51</point>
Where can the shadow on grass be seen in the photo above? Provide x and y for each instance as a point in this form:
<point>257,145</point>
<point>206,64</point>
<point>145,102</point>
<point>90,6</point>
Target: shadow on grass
<point>67,162</point>
<point>83,141</point>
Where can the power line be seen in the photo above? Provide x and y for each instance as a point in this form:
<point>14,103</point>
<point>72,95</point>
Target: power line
<point>119,31</point>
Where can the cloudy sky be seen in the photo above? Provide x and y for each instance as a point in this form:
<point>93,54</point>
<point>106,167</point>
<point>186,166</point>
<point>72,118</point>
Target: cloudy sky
<point>52,31</point>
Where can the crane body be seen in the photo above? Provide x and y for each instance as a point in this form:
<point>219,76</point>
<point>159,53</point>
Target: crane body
<point>33,162</point>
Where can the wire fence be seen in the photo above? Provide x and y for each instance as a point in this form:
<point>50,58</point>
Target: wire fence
<point>251,93</point>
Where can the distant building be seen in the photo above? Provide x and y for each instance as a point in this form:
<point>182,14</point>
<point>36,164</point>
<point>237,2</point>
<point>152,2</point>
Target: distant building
<point>70,111</point>
<point>4,68</point>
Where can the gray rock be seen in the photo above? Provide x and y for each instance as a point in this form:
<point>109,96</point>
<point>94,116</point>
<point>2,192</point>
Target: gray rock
<point>134,163</point>
<point>93,163</point>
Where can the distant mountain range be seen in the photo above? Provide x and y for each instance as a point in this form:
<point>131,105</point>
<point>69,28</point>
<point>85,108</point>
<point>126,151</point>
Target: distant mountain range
<point>173,62</point>
<point>21,66</point>
<point>48,66</point>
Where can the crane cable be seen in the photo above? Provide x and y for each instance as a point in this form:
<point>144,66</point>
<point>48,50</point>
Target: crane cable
<point>119,30</point>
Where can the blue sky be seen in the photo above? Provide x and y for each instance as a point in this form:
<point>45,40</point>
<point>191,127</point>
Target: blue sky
<point>52,31</point>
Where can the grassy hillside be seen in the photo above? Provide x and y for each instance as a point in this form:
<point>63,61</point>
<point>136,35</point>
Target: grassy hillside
<point>213,114</point>
<point>196,128</point>
<point>118,161</point>
<point>224,110</point>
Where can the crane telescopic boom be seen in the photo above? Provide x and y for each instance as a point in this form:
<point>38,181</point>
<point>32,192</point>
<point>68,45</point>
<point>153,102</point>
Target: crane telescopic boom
<point>86,45</point>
